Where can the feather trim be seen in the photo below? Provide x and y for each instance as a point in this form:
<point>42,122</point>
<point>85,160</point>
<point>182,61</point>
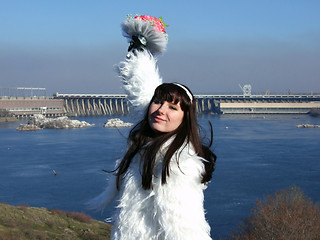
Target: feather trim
<point>156,41</point>
<point>140,77</point>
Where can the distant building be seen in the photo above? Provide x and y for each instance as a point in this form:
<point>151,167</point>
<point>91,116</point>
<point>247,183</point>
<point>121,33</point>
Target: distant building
<point>24,102</point>
<point>24,107</point>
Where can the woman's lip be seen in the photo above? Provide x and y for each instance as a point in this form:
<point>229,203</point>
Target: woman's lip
<point>158,119</point>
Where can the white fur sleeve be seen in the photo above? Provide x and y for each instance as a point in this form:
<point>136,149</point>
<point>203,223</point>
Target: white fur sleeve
<point>180,201</point>
<point>105,198</point>
<point>140,76</point>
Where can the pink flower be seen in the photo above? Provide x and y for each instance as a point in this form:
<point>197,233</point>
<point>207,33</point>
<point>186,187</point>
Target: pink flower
<point>158,24</point>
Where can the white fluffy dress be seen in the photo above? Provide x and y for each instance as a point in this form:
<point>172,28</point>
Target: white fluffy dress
<point>171,211</point>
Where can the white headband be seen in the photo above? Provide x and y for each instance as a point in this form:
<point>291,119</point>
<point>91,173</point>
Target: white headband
<point>186,90</point>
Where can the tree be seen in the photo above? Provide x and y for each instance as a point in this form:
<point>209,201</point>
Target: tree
<point>288,215</point>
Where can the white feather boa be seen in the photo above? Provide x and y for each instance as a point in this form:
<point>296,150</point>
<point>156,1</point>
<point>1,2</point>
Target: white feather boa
<point>140,77</point>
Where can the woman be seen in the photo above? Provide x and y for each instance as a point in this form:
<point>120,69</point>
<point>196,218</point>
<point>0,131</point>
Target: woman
<point>160,180</point>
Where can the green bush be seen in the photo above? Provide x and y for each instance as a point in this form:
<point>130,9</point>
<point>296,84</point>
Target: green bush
<point>288,215</point>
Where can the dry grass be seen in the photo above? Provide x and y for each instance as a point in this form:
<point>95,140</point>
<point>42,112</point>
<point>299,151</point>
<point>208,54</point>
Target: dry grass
<point>288,215</point>
<point>28,223</point>
<point>81,217</point>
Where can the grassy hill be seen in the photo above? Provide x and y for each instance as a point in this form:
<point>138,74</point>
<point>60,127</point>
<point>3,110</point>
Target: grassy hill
<point>26,223</point>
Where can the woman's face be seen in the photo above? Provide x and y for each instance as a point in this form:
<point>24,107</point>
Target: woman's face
<point>165,116</point>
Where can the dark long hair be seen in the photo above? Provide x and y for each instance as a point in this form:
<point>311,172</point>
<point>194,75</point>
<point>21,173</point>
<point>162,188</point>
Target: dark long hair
<point>187,132</point>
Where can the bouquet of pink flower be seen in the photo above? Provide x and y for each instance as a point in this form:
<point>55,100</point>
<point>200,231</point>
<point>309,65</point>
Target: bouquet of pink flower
<point>145,32</point>
<point>156,22</point>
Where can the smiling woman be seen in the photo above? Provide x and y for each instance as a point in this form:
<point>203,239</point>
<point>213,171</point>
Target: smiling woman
<point>165,114</point>
<point>161,178</point>
<point>165,117</point>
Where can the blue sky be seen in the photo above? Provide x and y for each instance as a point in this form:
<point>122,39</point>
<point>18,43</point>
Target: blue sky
<point>71,46</point>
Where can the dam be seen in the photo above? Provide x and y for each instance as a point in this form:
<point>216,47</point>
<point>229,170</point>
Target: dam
<point>94,104</point>
<point>117,104</point>
<point>21,105</point>
<point>258,104</point>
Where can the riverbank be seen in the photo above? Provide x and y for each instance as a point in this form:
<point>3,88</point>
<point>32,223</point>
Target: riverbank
<point>26,223</point>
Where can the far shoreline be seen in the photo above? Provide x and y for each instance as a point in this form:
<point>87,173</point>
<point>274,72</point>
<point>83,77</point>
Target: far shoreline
<point>8,119</point>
